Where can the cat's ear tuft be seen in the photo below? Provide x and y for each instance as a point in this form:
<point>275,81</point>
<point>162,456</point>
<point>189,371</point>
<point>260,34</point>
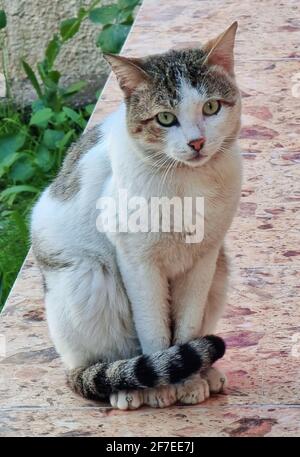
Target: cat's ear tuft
<point>128,72</point>
<point>220,51</point>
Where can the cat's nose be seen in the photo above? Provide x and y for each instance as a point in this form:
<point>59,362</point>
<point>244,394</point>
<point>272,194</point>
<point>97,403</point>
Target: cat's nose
<point>197,145</point>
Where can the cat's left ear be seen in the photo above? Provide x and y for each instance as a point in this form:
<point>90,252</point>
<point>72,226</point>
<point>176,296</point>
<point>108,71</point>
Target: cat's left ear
<point>128,72</point>
<point>220,50</point>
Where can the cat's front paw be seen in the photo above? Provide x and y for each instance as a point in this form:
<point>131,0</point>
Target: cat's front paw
<point>160,397</point>
<point>126,399</point>
<point>217,380</point>
<point>192,391</point>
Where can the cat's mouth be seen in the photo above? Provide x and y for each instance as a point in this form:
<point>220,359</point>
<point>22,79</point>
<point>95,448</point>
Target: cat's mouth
<point>197,157</point>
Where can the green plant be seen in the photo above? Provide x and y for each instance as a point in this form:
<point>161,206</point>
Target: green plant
<point>2,19</point>
<point>116,20</point>
<point>14,244</point>
<point>34,139</point>
<point>32,143</point>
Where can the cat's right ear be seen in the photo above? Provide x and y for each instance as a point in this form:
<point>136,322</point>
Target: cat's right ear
<point>128,72</point>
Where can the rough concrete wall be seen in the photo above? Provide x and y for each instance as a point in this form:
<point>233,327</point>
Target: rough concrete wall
<point>31,24</point>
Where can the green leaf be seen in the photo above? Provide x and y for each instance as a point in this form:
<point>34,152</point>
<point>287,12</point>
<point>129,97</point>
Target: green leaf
<point>13,190</point>
<point>22,170</point>
<point>42,69</point>
<point>69,28</point>
<point>104,14</point>
<point>90,108</point>
<point>125,17</point>
<point>44,159</point>
<point>71,113</point>
<point>41,117</point>
<point>11,143</point>
<point>60,118</point>
<point>128,3</point>
<point>74,88</point>
<point>75,117</point>
<point>20,223</point>
<point>112,37</point>
<point>52,50</point>
<point>66,139</point>
<point>37,105</point>
<point>82,13</point>
<point>7,162</point>
<point>49,78</point>
<point>2,19</point>
<point>31,75</point>
<point>54,76</point>
<point>52,137</point>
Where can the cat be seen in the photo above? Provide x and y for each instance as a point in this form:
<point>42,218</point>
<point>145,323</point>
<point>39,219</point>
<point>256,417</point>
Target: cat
<point>132,314</point>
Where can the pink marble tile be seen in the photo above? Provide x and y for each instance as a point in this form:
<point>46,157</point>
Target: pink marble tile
<point>262,320</point>
<point>266,28</point>
<point>174,422</point>
<point>264,247</point>
<point>261,326</point>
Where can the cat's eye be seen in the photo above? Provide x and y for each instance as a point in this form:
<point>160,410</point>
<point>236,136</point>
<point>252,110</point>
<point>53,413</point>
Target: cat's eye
<point>166,119</point>
<point>211,107</point>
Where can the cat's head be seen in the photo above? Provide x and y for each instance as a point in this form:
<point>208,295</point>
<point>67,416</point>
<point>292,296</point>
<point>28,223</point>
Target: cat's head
<point>184,104</point>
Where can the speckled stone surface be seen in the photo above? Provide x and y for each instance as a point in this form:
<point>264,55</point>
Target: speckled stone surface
<point>262,320</point>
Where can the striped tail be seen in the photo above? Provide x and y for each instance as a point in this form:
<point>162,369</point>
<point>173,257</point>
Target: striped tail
<point>170,366</point>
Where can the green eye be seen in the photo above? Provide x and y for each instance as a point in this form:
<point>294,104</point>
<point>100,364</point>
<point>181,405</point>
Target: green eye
<point>211,107</point>
<point>166,119</point>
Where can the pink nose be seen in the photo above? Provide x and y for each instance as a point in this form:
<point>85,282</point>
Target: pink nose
<point>197,145</point>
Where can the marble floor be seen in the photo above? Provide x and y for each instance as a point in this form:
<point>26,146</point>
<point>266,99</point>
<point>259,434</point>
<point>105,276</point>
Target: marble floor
<point>262,321</point>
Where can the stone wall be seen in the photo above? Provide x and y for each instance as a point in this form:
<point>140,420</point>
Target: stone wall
<point>31,24</point>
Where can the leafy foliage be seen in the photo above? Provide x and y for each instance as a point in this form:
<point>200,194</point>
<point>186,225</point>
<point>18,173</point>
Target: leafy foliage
<point>2,19</point>
<point>13,248</point>
<point>116,20</point>
<point>34,139</point>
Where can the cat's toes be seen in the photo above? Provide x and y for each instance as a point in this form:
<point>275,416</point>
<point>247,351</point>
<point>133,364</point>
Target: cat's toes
<point>217,381</point>
<point>160,397</point>
<point>126,399</point>
<point>192,391</point>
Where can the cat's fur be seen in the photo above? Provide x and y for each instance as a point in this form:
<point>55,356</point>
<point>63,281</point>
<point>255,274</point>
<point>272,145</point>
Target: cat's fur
<point>112,297</point>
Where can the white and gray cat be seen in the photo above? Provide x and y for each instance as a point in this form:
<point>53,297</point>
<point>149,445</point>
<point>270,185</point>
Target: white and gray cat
<point>129,313</point>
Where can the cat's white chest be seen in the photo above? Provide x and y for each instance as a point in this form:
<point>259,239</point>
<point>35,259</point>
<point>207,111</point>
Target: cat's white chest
<point>177,258</point>
<point>215,210</point>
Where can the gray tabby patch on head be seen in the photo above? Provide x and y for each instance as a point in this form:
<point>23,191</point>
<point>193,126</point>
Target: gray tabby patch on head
<point>203,65</point>
<point>67,183</point>
<point>154,83</point>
